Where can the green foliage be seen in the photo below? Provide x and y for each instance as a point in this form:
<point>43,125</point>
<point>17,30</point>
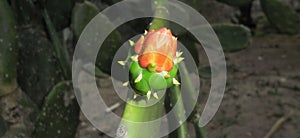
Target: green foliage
<point>38,70</point>
<point>193,3</point>
<point>60,12</point>
<point>233,37</point>
<point>60,114</point>
<point>236,3</point>
<point>281,16</point>
<point>8,52</point>
<point>25,12</point>
<point>81,16</point>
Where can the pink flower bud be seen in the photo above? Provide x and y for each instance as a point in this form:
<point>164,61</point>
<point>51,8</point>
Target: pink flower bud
<point>157,49</point>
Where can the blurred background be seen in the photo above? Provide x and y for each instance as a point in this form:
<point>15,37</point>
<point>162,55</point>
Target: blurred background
<point>260,38</point>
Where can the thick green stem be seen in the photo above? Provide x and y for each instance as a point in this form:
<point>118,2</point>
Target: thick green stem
<point>139,119</point>
<point>160,12</point>
<point>194,117</point>
<point>200,131</point>
<point>61,51</point>
<point>175,99</point>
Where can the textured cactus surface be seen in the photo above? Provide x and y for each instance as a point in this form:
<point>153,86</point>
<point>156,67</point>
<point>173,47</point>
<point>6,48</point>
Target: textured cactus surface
<point>281,16</point>
<point>82,14</point>
<point>60,12</point>
<point>38,69</point>
<point>60,114</point>
<point>8,52</point>
<point>237,3</point>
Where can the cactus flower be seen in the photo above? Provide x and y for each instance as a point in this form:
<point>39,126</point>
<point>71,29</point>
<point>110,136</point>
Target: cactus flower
<point>154,67</point>
<point>156,50</point>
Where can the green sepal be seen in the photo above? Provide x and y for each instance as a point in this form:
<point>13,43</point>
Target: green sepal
<point>151,81</point>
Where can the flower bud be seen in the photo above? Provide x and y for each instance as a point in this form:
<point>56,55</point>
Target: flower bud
<point>156,50</point>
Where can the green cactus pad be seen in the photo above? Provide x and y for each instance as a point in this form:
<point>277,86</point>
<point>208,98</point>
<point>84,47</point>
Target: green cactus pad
<point>281,16</point>
<point>233,37</point>
<point>150,81</point>
<point>82,14</point>
<point>38,69</point>
<point>60,114</point>
<point>60,12</point>
<point>8,49</point>
<point>236,3</point>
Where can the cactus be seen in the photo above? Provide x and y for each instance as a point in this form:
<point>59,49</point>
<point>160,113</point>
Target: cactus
<point>154,67</point>
<point>233,37</point>
<point>82,14</point>
<point>281,16</point>
<point>26,13</point>
<point>196,4</point>
<point>60,114</point>
<point>38,69</point>
<point>236,3</point>
<point>8,52</point>
<point>60,12</point>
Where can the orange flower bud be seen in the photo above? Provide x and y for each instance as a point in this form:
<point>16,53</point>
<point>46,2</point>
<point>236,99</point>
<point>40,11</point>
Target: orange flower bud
<point>157,49</point>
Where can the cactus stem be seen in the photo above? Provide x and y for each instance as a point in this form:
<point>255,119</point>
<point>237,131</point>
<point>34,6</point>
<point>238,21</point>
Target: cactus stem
<point>139,78</point>
<point>125,84</point>
<point>155,96</point>
<point>175,82</point>
<point>123,63</point>
<point>148,95</point>
<point>179,59</point>
<point>134,58</point>
<point>131,43</point>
